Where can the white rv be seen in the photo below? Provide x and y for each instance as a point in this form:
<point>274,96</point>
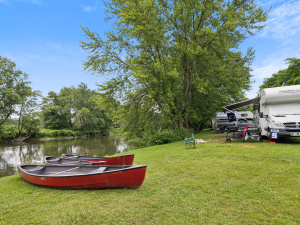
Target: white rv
<point>277,111</point>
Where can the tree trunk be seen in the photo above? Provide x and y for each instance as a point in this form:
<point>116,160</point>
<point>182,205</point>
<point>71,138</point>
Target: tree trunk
<point>6,117</point>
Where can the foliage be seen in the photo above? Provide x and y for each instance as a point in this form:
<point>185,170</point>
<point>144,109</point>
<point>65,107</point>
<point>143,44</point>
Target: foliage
<point>157,138</point>
<point>8,132</point>
<point>215,183</point>
<point>162,137</point>
<point>14,88</point>
<point>289,76</point>
<point>28,113</point>
<point>12,121</point>
<point>76,109</point>
<point>46,133</point>
<point>116,130</point>
<point>173,64</point>
<point>53,113</point>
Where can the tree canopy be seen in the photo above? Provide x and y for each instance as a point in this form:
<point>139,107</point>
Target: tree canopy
<point>74,108</point>
<point>14,88</point>
<point>289,76</point>
<point>173,62</point>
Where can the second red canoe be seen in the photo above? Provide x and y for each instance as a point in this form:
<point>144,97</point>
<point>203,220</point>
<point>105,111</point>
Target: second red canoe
<point>118,160</point>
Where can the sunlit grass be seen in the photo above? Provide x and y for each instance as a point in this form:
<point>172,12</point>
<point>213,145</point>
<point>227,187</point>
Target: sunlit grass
<point>216,183</point>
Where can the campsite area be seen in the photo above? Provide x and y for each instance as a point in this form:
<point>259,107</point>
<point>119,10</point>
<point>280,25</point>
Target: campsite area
<point>215,183</point>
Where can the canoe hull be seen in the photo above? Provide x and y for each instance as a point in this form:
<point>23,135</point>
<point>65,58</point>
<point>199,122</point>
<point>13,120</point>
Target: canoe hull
<point>131,177</point>
<point>118,160</point>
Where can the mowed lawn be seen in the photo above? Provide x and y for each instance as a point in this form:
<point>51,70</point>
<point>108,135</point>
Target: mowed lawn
<point>216,183</point>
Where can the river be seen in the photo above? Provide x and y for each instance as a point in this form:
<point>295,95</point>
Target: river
<point>33,152</point>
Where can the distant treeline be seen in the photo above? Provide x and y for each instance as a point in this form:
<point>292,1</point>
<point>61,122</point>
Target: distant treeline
<point>24,111</point>
<point>73,111</point>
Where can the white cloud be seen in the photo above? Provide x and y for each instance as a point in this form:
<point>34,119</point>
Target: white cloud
<point>268,3</point>
<point>282,32</point>
<point>271,65</point>
<point>274,62</point>
<point>88,8</point>
<point>283,22</point>
<point>268,68</point>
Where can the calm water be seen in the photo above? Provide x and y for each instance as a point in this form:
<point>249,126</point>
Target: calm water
<point>33,152</point>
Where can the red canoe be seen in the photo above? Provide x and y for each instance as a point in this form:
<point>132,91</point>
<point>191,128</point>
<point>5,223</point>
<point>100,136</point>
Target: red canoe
<point>118,160</point>
<point>84,177</point>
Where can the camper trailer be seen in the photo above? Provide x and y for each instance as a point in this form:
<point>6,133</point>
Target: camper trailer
<point>220,123</point>
<point>276,111</point>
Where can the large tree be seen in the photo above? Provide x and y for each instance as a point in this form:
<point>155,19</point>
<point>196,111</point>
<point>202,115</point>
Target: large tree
<point>14,88</point>
<point>28,113</point>
<point>174,59</point>
<point>75,108</point>
<point>289,76</point>
<point>55,110</point>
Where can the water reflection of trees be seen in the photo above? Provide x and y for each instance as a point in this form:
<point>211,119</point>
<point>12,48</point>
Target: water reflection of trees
<point>34,152</point>
<point>20,153</point>
<point>98,146</point>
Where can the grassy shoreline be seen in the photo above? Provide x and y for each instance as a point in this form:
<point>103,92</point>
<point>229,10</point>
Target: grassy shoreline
<point>216,183</point>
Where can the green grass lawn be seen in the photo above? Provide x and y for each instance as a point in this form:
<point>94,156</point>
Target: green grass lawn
<point>216,183</point>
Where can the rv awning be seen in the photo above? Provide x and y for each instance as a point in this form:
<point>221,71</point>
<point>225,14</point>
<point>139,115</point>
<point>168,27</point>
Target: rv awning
<point>241,104</point>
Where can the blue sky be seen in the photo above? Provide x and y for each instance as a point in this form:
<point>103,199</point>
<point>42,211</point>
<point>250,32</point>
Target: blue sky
<point>42,38</point>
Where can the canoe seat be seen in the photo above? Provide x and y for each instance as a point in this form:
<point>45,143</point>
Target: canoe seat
<point>36,168</point>
<point>53,160</point>
<point>50,158</point>
<point>99,170</point>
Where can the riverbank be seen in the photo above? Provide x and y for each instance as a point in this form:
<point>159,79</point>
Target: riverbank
<point>56,138</point>
<point>216,183</point>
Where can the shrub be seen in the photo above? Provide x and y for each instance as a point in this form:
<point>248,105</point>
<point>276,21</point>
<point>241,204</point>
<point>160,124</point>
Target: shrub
<point>55,133</point>
<point>8,132</point>
<point>180,134</point>
<point>136,142</point>
<point>163,137</point>
<point>158,138</point>
<point>66,133</point>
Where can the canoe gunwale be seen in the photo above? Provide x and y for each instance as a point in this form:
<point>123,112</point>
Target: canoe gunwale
<point>120,169</point>
<point>75,157</point>
<point>113,160</point>
<point>56,161</point>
